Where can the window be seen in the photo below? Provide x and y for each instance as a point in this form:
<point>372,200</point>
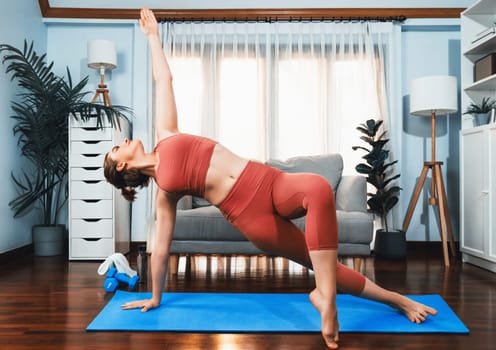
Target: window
<point>269,98</point>
<point>299,121</point>
<point>238,104</point>
<point>188,88</point>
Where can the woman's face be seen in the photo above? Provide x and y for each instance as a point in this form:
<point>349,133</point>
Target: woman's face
<point>126,153</point>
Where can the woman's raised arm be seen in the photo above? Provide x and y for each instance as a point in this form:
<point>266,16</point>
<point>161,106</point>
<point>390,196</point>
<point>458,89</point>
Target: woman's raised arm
<point>165,104</point>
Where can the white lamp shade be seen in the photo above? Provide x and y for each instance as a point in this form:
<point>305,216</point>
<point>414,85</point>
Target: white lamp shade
<point>102,54</point>
<point>433,94</point>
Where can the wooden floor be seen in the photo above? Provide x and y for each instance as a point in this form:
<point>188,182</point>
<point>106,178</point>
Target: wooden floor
<point>46,303</point>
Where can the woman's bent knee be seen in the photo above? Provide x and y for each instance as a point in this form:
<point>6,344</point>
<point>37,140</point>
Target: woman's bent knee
<point>319,192</point>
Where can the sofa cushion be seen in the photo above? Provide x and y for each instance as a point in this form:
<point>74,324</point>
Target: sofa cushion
<point>198,202</point>
<point>329,166</point>
<point>204,224</point>
<point>214,247</point>
<point>353,226</point>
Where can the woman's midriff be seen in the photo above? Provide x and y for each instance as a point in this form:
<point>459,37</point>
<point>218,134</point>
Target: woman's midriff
<point>223,172</point>
<point>255,179</point>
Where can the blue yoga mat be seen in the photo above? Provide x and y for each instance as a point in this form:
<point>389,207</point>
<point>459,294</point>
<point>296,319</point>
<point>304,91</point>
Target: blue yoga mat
<point>237,312</point>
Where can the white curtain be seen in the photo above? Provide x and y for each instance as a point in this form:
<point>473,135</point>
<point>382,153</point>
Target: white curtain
<point>277,90</point>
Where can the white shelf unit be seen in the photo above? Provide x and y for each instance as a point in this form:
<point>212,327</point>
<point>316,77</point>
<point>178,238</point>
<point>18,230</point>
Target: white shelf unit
<point>486,84</point>
<point>477,143</point>
<point>99,217</point>
<point>481,47</point>
<point>474,20</point>
<point>478,196</point>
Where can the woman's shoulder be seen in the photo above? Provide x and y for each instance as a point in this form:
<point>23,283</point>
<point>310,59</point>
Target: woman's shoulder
<point>161,141</point>
<point>164,134</point>
<point>184,137</point>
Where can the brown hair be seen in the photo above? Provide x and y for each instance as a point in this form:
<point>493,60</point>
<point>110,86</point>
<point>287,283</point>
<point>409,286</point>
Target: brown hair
<point>126,180</point>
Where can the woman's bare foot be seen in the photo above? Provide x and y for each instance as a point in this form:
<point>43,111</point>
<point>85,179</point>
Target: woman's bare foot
<point>414,311</point>
<point>329,319</point>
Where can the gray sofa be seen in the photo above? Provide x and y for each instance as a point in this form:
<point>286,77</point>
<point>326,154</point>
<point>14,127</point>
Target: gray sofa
<point>201,228</point>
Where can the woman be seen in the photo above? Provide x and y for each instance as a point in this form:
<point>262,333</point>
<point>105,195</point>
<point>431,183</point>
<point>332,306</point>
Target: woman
<point>257,199</point>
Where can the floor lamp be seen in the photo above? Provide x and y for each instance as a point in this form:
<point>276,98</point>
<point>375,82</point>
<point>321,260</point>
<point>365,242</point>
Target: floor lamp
<point>432,96</point>
<point>102,55</point>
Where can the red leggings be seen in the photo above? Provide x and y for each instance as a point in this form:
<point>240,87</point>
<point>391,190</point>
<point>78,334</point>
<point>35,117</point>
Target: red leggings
<point>262,203</point>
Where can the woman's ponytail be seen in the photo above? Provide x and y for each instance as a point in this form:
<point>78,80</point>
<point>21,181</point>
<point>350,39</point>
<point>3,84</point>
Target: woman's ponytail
<point>125,180</point>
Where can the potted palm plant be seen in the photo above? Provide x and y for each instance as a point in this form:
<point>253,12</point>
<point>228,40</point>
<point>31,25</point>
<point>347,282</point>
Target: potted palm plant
<point>481,111</point>
<point>41,112</point>
<point>389,243</point>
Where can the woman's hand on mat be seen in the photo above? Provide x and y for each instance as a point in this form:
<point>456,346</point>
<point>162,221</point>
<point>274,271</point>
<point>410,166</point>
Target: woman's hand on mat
<point>144,305</point>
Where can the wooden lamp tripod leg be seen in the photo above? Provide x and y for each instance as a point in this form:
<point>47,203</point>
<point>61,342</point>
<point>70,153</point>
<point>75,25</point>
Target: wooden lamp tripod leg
<point>437,179</point>
<point>106,98</point>
<point>447,216</point>
<point>416,194</point>
<point>445,212</point>
<point>102,89</point>
<point>95,97</point>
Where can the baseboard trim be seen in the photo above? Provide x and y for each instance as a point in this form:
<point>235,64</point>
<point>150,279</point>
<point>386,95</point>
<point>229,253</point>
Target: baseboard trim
<point>15,253</point>
<point>419,245</point>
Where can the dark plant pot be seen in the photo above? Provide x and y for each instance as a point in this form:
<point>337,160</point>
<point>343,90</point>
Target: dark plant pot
<point>390,244</point>
<point>49,240</point>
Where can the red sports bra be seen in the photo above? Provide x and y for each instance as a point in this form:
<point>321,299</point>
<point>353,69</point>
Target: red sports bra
<point>184,162</point>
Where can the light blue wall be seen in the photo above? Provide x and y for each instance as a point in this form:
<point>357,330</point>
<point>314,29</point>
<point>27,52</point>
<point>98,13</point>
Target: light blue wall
<point>128,84</point>
<point>67,46</point>
<point>429,48</point>
<point>19,20</point>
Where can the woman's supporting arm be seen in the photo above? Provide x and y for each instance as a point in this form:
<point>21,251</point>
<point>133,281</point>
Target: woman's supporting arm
<point>165,221</point>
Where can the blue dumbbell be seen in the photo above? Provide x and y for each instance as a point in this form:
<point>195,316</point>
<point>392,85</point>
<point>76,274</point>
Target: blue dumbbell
<point>115,278</point>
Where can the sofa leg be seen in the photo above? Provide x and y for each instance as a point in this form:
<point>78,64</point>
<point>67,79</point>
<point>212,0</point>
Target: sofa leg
<point>174,264</point>
<point>190,263</point>
<point>357,264</point>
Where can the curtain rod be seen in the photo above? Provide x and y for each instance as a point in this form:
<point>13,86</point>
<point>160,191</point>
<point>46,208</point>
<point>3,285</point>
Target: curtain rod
<point>263,13</point>
<point>289,19</point>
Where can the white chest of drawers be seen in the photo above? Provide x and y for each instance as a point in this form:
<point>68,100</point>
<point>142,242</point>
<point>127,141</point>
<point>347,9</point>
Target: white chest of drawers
<point>99,217</point>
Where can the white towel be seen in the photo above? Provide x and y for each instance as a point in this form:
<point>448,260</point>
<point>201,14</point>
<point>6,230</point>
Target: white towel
<point>120,262</point>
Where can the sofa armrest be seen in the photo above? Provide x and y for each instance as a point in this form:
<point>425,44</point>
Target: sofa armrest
<point>351,194</point>
<point>186,202</point>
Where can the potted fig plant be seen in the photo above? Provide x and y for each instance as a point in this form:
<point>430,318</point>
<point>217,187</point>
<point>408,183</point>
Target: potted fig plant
<point>481,111</point>
<point>42,109</point>
<point>389,243</point>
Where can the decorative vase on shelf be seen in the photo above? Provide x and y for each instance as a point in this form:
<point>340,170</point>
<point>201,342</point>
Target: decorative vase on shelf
<point>481,118</point>
<point>481,111</point>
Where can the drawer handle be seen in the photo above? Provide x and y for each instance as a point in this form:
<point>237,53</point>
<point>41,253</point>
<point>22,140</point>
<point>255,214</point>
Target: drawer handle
<point>91,168</point>
<point>90,154</point>
<point>90,128</point>
<point>92,239</point>
<point>92,181</point>
<point>91,200</point>
<point>91,142</point>
<point>92,220</point>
